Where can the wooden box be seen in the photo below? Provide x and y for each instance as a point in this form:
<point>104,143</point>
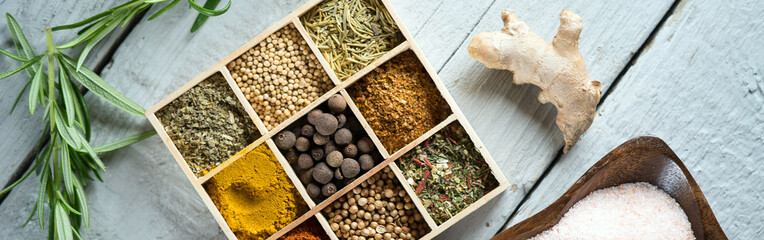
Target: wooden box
<point>339,86</point>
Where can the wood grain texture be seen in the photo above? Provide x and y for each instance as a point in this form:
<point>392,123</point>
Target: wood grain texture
<point>518,131</point>
<point>34,16</point>
<point>698,86</point>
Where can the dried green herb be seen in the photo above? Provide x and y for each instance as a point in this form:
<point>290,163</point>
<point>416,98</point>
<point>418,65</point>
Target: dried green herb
<point>447,172</point>
<point>352,33</point>
<point>207,124</point>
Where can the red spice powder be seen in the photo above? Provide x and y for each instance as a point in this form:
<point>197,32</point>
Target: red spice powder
<point>308,230</point>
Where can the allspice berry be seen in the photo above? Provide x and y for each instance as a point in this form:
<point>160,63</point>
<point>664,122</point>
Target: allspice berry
<point>337,104</point>
<point>341,120</point>
<point>304,161</point>
<point>334,159</point>
<point>313,116</point>
<point>313,190</point>
<point>302,144</point>
<point>343,137</point>
<point>350,151</point>
<point>322,173</point>
<point>366,162</point>
<point>326,124</point>
<point>330,146</point>
<point>350,168</point>
<point>307,130</point>
<point>365,145</point>
<point>317,153</point>
<point>338,174</point>
<point>320,139</point>
<point>306,176</point>
<point>329,189</point>
<point>285,140</point>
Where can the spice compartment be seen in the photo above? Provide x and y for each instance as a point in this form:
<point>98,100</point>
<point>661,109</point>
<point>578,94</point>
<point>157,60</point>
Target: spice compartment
<point>328,147</point>
<point>184,120</point>
<point>448,174</point>
<point>377,208</point>
<point>280,75</point>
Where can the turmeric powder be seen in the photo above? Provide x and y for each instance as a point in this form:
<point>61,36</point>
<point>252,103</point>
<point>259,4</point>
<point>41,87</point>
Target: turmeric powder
<point>255,196</point>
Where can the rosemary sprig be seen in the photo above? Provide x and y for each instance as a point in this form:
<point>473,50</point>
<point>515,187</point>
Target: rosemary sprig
<point>65,165</point>
<point>100,25</point>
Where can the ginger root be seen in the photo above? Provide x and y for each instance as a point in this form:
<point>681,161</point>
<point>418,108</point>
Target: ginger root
<point>557,68</point>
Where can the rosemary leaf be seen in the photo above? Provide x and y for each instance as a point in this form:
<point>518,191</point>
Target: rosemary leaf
<point>124,142</point>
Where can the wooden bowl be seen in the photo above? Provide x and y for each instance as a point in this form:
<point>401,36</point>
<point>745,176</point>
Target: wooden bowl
<point>642,159</point>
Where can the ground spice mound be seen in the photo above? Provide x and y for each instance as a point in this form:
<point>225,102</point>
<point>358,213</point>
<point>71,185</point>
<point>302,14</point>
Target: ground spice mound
<point>400,101</point>
<point>207,124</point>
<point>308,230</point>
<point>255,196</point>
<point>626,211</point>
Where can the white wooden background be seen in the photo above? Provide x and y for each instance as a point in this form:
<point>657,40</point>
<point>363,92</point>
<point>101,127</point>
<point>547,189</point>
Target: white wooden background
<point>688,71</point>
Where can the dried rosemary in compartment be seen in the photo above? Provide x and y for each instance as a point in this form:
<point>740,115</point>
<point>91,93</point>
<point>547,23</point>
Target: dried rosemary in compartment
<point>280,76</point>
<point>447,172</point>
<point>379,208</point>
<point>207,124</point>
<point>400,101</point>
<point>352,33</point>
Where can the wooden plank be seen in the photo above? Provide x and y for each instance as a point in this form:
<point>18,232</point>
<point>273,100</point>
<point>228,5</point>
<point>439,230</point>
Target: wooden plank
<point>155,60</point>
<point>34,17</point>
<point>698,86</point>
<point>518,131</point>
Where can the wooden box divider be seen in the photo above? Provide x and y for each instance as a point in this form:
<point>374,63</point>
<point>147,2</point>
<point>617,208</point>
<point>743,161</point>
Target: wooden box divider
<point>243,100</point>
<point>291,173</point>
<point>325,225</point>
<point>339,87</point>
<point>361,119</point>
<point>414,198</point>
<point>314,48</point>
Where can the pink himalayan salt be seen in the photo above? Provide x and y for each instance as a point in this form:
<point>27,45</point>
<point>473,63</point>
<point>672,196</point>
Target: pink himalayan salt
<point>627,211</point>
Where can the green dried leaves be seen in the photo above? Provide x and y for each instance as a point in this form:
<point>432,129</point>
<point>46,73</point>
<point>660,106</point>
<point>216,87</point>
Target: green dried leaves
<point>208,124</point>
<point>448,173</point>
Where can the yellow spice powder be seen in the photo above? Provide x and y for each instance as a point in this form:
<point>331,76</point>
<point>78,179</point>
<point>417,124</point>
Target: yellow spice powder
<point>255,196</point>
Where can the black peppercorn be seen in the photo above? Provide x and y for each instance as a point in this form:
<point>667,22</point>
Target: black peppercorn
<point>326,124</point>
<point>313,190</point>
<point>350,151</point>
<point>302,144</point>
<point>366,162</point>
<point>365,145</point>
<point>304,161</point>
<point>330,146</point>
<point>313,116</point>
<point>350,168</point>
<point>343,137</point>
<point>329,189</point>
<point>322,173</point>
<point>307,130</point>
<point>334,159</point>
<point>306,176</point>
<point>317,153</point>
<point>285,140</point>
<point>320,139</point>
<point>337,104</point>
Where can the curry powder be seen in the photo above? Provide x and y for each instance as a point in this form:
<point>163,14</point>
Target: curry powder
<point>255,196</point>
